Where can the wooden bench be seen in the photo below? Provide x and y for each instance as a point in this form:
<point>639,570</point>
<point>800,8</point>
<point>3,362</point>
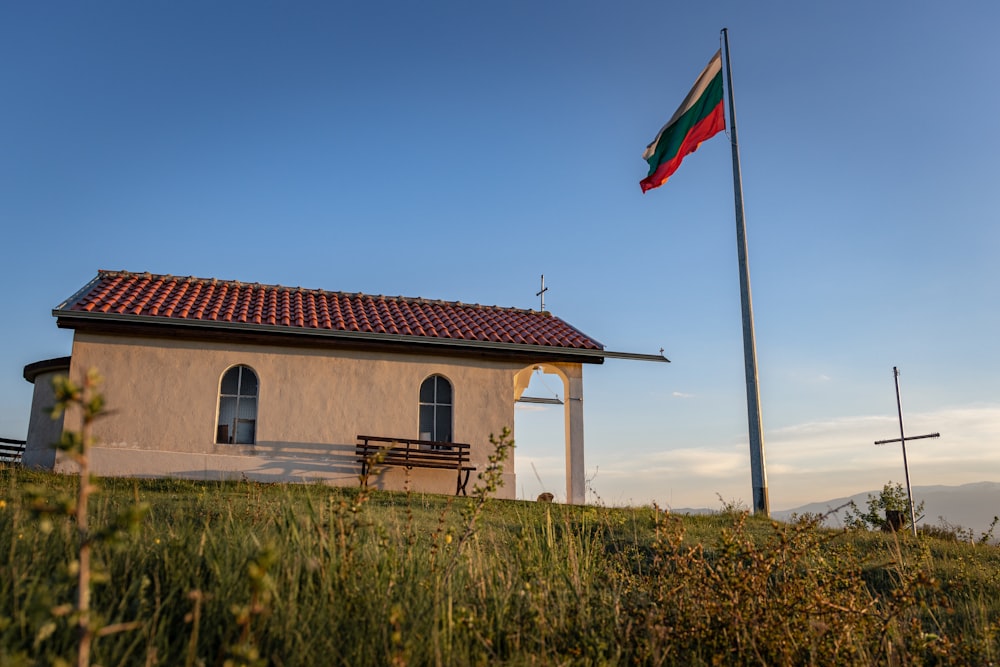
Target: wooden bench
<point>374,451</point>
<point>11,451</point>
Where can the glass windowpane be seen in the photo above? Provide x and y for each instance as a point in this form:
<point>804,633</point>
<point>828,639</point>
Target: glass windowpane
<point>245,431</point>
<point>227,420</point>
<point>231,381</point>
<point>227,410</point>
<point>427,422</point>
<point>248,383</point>
<point>442,424</point>
<point>427,390</point>
<point>443,391</point>
<point>248,408</point>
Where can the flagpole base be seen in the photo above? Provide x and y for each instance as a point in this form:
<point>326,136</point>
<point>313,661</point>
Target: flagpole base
<point>761,504</point>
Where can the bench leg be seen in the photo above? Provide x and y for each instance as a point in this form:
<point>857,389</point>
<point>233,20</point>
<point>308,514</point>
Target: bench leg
<point>364,473</point>
<point>462,481</point>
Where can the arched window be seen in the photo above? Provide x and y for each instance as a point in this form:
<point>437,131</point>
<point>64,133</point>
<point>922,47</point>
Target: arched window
<point>237,407</point>
<point>435,409</point>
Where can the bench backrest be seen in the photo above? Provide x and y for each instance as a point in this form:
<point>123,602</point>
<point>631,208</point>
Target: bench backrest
<point>419,453</point>
<point>11,451</point>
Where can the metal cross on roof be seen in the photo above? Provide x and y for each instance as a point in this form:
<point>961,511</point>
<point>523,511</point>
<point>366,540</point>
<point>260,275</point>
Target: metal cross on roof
<point>541,293</point>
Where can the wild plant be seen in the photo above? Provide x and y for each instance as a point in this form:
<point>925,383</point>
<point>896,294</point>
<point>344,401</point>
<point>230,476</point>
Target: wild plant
<point>445,550</point>
<point>490,480</point>
<point>987,536</point>
<point>732,507</point>
<point>891,500</point>
<point>791,599</point>
<point>946,530</point>
<point>592,494</point>
<point>85,398</point>
<point>372,464</point>
<point>348,514</point>
<point>245,652</point>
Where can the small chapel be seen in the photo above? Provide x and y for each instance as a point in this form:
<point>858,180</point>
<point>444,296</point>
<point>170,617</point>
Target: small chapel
<point>215,379</point>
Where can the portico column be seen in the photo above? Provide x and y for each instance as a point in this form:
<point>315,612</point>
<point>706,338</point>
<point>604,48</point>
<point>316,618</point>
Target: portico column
<point>576,482</point>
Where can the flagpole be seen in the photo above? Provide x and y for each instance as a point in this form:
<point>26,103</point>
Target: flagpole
<point>758,475</point>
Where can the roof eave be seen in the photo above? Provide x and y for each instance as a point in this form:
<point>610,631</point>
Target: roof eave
<point>33,370</point>
<point>636,356</point>
<point>69,318</point>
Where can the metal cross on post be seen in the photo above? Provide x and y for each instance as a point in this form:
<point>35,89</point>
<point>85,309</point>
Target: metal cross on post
<point>902,441</point>
<point>541,293</point>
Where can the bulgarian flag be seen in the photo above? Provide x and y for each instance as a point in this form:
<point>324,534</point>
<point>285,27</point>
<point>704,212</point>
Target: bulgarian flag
<point>698,118</point>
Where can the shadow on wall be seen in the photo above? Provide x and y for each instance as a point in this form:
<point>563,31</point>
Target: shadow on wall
<point>264,462</point>
<point>302,458</point>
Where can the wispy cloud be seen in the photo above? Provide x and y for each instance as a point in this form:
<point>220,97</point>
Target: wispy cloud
<point>819,460</point>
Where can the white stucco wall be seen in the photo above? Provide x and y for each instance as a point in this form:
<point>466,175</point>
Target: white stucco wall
<point>312,403</point>
<point>43,430</point>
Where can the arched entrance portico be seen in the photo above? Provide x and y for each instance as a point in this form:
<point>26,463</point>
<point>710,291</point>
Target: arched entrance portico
<point>571,375</point>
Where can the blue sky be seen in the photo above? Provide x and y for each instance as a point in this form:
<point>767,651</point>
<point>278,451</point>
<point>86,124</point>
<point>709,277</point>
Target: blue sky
<point>458,150</point>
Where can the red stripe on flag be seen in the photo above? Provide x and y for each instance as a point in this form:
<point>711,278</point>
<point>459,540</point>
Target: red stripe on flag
<point>706,128</point>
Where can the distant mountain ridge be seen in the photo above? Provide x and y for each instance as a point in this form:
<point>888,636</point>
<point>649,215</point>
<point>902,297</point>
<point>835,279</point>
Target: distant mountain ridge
<point>970,506</point>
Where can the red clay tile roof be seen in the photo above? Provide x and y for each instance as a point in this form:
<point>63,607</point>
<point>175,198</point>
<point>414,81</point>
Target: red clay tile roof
<point>125,296</point>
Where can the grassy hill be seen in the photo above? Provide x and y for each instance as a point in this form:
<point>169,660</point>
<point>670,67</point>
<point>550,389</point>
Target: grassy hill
<point>244,573</point>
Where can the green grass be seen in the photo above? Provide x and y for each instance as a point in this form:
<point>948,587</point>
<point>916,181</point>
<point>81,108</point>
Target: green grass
<point>313,575</point>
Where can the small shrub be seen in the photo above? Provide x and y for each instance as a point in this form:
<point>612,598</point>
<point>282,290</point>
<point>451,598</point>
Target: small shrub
<point>891,501</point>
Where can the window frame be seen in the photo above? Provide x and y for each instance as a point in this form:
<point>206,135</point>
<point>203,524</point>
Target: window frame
<point>435,405</point>
<point>232,437</point>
